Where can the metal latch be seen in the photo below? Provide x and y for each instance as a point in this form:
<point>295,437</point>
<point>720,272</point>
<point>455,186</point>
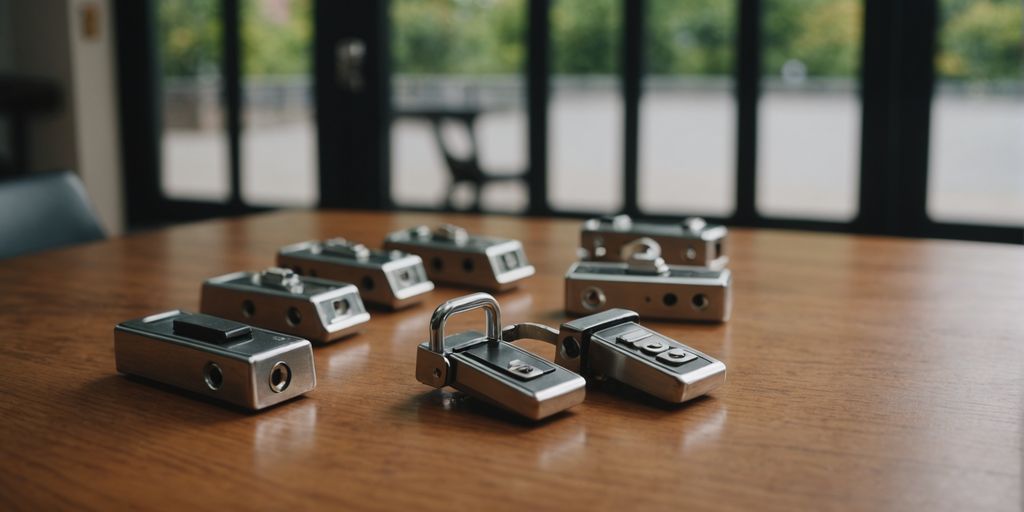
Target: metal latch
<point>613,345</point>
<point>278,299</point>
<point>386,278</point>
<point>224,360</point>
<point>484,366</point>
<point>691,241</point>
<point>453,256</point>
<point>646,284</point>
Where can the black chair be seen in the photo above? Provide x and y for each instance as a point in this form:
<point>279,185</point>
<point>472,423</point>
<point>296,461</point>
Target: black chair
<point>44,211</point>
<point>463,169</point>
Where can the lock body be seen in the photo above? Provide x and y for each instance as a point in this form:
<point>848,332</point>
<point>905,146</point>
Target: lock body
<point>317,309</point>
<point>612,344</point>
<point>689,242</point>
<point>485,366</point>
<point>454,257</point>
<point>503,375</point>
<point>673,293</point>
<point>388,279</point>
<point>214,357</point>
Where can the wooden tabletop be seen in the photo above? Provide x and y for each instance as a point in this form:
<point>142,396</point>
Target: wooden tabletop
<point>863,373</point>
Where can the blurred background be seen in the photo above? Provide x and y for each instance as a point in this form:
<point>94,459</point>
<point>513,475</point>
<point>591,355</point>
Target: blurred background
<point>898,117</point>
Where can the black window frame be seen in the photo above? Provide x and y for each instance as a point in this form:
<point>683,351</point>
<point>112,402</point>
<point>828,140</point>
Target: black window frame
<point>897,79</point>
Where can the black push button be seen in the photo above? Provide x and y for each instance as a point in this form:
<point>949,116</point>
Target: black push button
<point>631,337</point>
<point>211,329</point>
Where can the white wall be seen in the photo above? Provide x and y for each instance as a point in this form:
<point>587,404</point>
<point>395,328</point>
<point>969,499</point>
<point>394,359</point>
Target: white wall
<point>94,93</point>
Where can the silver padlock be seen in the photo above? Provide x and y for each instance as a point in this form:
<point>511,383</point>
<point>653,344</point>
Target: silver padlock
<point>391,279</point>
<point>453,256</point>
<point>484,366</point>
<point>690,242</point>
<point>219,358</point>
<point>278,299</point>
<point>645,283</point>
<point>613,345</point>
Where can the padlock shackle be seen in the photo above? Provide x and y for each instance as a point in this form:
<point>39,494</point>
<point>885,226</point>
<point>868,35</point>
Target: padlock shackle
<point>530,331</point>
<point>462,305</point>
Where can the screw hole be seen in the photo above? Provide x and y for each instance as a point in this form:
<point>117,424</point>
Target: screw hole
<point>511,260</point>
<point>467,265</point>
<point>691,254</point>
<point>700,301</point>
<point>405,278</point>
<point>248,308</point>
<point>593,298</point>
<point>670,299</point>
<point>213,376</point>
<point>293,317</point>
<point>280,377</point>
<point>437,263</point>
<point>341,307</point>
<point>437,373</point>
<point>570,348</point>
<point>367,283</point>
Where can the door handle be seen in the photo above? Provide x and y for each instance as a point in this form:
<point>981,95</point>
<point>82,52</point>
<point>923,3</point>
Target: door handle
<point>349,55</point>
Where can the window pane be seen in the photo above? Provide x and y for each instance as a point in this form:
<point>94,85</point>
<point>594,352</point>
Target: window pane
<point>193,146</point>
<point>279,163</point>
<point>585,130</point>
<point>458,87</point>
<point>977,125</point>
<point>688,109</point>
<point>809,117</point>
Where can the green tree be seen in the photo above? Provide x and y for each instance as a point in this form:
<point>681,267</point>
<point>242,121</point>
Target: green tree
<point>457,36</point>
<point>585,36</point>
<point>189,36</point>
<point>825,35</point>
<point>277,37</point>
<point>691,38</point>
<point>981,39</point>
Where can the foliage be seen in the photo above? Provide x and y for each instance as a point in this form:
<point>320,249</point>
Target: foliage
<point>981,39</point>
<point>189,32</point>
<point>824,35</point>
<point>978,39</point>
<point>278,36</point>
<point>458,36</point>
<point>585,36</point>
<point>691,38</point>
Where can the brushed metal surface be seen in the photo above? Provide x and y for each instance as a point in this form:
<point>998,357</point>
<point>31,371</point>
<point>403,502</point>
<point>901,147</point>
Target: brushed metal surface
<point>457,258</point>
<point>148,347</point>
<point>688,242</point>
<point>324,310</point>
<point>388,279</point>
<point>686,293</point>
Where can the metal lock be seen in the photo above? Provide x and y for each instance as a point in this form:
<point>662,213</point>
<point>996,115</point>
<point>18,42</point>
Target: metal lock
<point>613,345</point>
<point>222,359</point>
<point>645,283</point>
<point>691,242</point>
<point>484,366</point>
<point>455,257</point>
<point>281,300</point>
<point>391,279</point>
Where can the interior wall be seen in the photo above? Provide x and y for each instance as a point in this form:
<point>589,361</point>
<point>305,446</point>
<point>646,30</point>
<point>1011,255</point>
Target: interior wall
<point>94,90</point>
<point>48,39</point>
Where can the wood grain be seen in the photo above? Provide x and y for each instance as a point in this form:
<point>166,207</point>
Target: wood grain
<point>864,373</point>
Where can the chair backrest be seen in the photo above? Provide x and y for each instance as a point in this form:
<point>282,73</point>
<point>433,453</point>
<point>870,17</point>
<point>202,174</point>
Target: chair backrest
<point>44,211</point>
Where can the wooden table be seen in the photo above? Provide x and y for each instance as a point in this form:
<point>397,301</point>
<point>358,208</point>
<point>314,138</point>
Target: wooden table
<point>864,373</point>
